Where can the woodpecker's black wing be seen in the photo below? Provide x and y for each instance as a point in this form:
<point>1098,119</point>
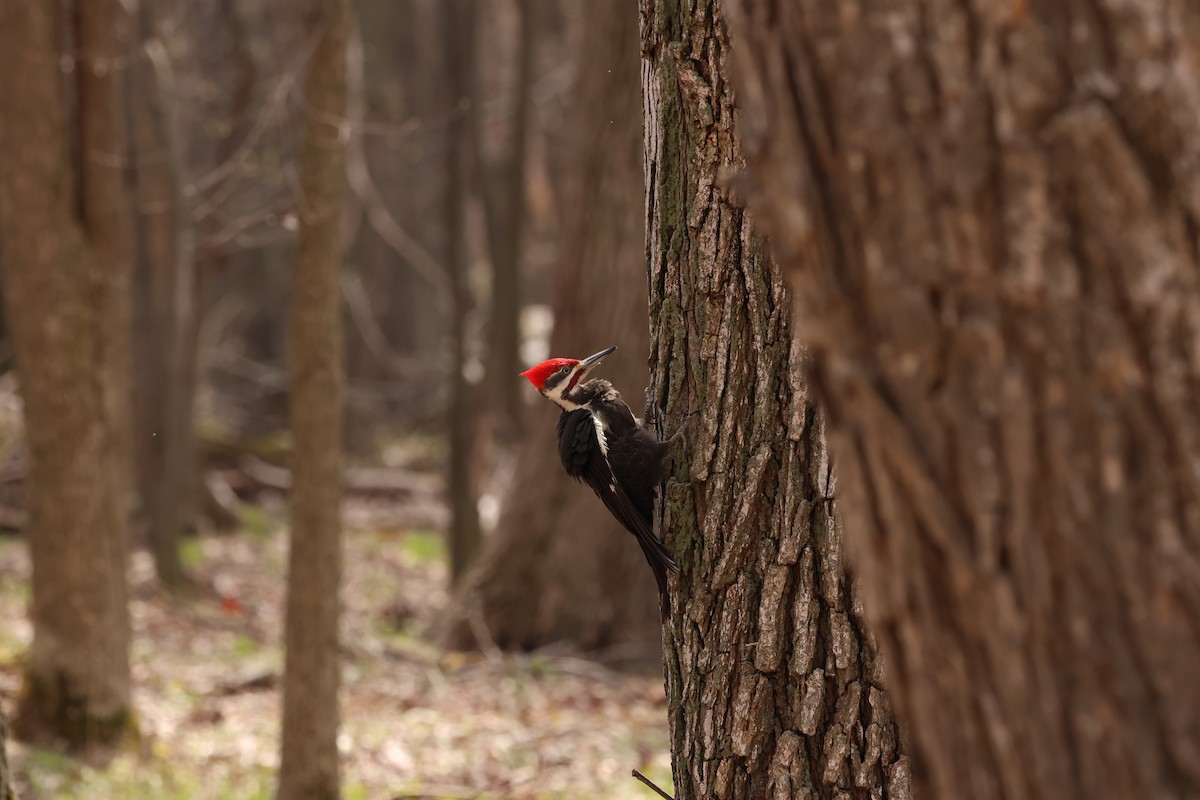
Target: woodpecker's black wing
<point>584,458</point>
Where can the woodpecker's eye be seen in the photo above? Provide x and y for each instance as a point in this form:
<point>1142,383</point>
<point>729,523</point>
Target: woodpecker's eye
<point>565,370</point>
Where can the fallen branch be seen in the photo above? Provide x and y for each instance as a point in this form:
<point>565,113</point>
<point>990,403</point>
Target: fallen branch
<point>218,502</point>
<point>258,682</point>
<point>360,481</point>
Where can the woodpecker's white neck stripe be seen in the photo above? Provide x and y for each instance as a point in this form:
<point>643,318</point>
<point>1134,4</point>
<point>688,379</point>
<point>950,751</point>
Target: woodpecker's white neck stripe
<point>601,436</point>
<point>564,403</point>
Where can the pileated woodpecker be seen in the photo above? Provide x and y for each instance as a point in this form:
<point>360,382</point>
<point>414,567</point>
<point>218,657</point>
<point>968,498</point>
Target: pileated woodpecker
<point>602,444</point>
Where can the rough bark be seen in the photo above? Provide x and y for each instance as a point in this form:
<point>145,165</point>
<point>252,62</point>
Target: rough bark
<point>558,567</point>
<point>309,762</point>
<point>991,218</point>
<point>63,221</point>
<point>458,31</point>
<point>774,686</point>
<point>164,304</point>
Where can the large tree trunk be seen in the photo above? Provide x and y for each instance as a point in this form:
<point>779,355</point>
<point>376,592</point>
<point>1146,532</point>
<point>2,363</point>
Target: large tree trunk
<point>558,566</point>
<point>774,685</point>
<point>991,218</point>
<point>64,225</point>
<point>309,763</point>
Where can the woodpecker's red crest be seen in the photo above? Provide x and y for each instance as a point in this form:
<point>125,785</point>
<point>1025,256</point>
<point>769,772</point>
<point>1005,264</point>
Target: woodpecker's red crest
<point>537,375</point>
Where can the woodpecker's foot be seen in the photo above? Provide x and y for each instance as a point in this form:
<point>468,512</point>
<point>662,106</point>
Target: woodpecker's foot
<point>681,432</point>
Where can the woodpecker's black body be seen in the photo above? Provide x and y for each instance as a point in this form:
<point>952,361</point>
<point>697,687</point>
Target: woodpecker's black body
<point>623,471</point>
<point>602,444</point>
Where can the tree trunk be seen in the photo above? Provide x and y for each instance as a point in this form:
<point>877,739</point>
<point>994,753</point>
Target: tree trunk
<point>234,115</point>
<point>991,218</point>
<point>394,357</point>
<point>558,566</point>
<point>504,204</point>
<point>774,685</point>
<point>415,42</point>
<point>165,305</point>
<point>458,31</point>
<point>64,224</point>
<point>7,792</point>
<point>309,762</point>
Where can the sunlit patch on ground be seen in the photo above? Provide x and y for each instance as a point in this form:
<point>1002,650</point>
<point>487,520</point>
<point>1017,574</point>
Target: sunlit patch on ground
<point>417,722</point>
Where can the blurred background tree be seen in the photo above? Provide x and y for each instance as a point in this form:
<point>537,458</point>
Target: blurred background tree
<point>458,28</point>
<point>65,217</point>
<point>434,300</point>
<point>7,792</point>
<point>165,314</point>
<point>309,762</point>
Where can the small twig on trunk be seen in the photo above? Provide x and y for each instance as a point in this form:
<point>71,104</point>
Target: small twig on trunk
<point>651,784</point>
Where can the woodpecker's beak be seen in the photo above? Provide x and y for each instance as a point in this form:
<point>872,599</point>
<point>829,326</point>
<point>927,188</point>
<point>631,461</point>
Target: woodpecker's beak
<point>594,359</point>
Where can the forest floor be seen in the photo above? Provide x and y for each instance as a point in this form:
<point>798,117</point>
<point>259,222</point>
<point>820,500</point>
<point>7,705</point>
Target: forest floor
<point>418,722</point>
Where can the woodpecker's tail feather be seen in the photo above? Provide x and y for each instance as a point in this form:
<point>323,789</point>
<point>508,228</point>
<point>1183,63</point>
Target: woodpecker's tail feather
<point>661,562</point>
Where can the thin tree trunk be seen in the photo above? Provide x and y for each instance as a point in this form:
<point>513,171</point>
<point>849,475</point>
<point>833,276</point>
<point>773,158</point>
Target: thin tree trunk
<point>774,686</point>
<point>458,31</point>
<point>7,792</point>
<point>309,761</point>
<point>558,566</point>
<point>416,27</point>
<point>64,223</point>
<point>991,218</point>
<point>166,302</point>
<point>211,262</point>
<point>397,252</point>
<point>372,285</point>
<point>504,202</point>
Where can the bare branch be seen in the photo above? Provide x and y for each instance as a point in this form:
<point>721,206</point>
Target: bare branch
<point>285,85</point>
<point>651,784</point>
<point>359,305</point>
<point>358,176</point>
